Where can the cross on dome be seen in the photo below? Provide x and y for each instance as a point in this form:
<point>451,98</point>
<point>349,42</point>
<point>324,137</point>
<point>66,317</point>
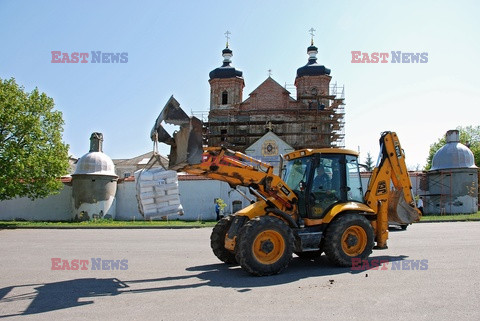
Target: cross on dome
<point>311,31</point>
<point>227,35</point>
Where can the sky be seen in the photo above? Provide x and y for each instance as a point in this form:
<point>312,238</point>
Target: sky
<point>173,45</point>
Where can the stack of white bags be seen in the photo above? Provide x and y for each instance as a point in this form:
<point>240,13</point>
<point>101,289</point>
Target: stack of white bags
<point>157,193</point>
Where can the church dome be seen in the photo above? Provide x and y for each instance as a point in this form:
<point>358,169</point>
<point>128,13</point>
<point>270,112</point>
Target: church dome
<point>95,163</point>
<point>226,70</point>
<point>312,68</point>
<point>453,155</point>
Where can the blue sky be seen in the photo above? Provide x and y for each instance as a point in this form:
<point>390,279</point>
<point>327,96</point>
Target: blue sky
<point>173,45</point>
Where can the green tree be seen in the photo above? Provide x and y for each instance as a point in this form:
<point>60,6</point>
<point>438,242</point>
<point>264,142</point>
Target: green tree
<point>369,162</point>
<point>32,154</point>
<point>469,136</point>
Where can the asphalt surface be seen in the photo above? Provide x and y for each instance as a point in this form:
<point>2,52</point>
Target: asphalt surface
<point>432,274</point>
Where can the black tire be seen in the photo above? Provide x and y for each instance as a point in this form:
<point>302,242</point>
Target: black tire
<point>217,241</point>
<point>310,255</point>
<point>264,246</point>
<point>348,236</point>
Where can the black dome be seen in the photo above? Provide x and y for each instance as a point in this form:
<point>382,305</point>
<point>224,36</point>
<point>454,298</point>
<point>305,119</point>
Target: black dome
<point>312,68</point>
<point>226,70</point>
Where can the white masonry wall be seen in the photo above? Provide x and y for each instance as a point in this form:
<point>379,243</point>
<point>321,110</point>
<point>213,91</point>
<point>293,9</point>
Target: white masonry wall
<point>197,198</point>
<point>57,207</point>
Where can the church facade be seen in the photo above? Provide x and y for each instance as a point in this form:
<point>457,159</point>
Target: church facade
<point>315,119</point>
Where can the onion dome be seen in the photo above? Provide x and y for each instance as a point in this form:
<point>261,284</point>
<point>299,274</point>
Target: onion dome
<point>226,70</point>
<point>312,68</point>
<point>453,154</point>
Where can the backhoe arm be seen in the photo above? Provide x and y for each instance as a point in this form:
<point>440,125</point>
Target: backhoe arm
<point>397,204</point>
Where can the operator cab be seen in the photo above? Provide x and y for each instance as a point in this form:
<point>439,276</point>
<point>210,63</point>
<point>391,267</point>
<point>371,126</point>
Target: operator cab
<point>322,178</point>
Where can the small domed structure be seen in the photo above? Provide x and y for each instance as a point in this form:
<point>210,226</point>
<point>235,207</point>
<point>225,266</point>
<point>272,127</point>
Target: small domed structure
<point>94,183</point>
<point>453,179</point>
<point>95,163</point>
<point>454,154</point>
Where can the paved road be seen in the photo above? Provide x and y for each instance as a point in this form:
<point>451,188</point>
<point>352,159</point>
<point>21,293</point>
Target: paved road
<point>172,275</point>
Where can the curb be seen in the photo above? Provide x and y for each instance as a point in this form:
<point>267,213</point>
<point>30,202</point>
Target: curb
<point>450,221</point>
<point>163,227</point>
<point>100,227</point>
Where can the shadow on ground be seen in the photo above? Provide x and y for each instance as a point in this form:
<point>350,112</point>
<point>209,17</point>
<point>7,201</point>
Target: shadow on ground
<point>67,294</point>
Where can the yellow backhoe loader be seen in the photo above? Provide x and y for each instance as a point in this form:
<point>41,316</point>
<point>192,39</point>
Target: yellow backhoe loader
<point>316,205</point>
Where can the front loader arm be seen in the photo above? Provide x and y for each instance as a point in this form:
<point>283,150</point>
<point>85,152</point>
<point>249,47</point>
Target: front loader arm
<point>238,169</point>
<point>397,204</point>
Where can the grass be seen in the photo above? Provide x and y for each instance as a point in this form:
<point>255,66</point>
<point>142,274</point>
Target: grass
<point>103,223</point>
<point>451,217</point>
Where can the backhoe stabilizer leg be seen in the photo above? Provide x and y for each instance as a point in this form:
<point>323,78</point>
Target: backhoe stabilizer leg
<point>381,227</point>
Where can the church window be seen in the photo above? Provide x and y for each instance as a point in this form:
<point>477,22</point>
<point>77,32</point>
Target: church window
<point>223,133</point>
<point>224,97</point>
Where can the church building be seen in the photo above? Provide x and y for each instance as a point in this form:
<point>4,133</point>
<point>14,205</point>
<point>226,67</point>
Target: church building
<point>315,119</point>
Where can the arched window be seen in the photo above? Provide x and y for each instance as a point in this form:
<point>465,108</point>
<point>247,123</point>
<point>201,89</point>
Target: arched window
<point>224,97</point>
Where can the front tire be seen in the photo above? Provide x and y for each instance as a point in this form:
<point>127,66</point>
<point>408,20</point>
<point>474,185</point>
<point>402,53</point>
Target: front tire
<point>264,246</point>
<point>349,236</point>
<point>217,241</point>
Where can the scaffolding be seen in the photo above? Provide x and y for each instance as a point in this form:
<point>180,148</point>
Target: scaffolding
<point>439,194</point>
<point>202,115</point>
<point>242,128</point>
<point>334,90</point>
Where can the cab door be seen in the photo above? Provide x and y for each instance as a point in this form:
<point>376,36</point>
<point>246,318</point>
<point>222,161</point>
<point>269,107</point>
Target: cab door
<point>325,188</point>
<point>296,174</point>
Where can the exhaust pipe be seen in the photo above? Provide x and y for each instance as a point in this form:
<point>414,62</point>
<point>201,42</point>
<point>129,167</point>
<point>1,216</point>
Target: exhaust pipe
<point>186,144</point>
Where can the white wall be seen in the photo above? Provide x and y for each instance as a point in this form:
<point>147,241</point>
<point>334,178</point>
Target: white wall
<point>414,178</point>
<point>127,206</point>
<point>53,208</point>
<point>197,198</point>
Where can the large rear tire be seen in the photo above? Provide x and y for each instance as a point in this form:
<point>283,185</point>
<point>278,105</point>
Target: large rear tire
<point>217,241</point>
<point>349,236</point>
<point>264,246</point>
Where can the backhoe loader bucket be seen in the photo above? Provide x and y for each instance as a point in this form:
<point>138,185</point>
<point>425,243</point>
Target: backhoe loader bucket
<point>186,144</point>
<point>399,211</point>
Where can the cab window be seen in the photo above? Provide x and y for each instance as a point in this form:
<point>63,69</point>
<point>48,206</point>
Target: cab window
<point>354,184</point>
